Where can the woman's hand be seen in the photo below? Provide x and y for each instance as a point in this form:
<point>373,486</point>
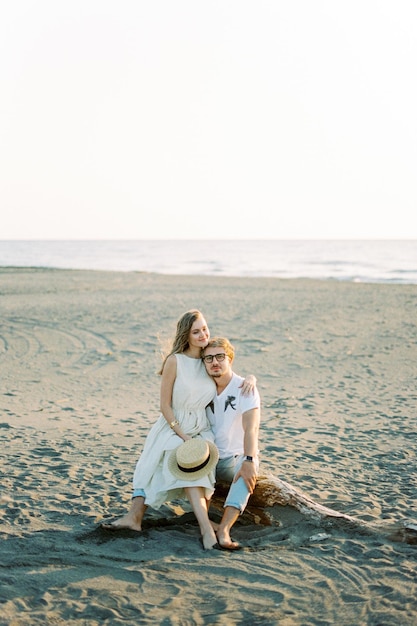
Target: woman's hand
<point>248,385</point>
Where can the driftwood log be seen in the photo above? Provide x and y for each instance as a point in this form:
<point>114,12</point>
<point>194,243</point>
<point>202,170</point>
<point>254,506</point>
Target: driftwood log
<point>271,491</point>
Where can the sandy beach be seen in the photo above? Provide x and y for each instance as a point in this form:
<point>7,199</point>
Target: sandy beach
<point>337,368</point>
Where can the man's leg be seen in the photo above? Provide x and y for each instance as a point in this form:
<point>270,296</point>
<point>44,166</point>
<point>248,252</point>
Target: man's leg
<point>236,500</point>
<point>224,539</point>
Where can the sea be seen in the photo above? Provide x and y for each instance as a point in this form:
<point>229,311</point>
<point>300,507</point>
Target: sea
<point>385,261</point>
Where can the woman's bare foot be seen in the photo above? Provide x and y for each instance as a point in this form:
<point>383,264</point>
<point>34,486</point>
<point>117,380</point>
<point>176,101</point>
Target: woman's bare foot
<point>133,519</point>
<point>127,522</point>
<point>209,539</point>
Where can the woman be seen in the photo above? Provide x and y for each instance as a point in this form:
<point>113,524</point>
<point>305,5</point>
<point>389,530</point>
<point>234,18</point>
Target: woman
<point>186,389</point>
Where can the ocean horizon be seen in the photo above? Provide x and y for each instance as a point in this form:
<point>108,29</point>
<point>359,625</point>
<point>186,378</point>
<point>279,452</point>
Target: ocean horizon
<point>387,261</point>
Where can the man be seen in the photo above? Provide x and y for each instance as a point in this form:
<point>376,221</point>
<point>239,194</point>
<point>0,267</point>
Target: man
<point>235,421</point>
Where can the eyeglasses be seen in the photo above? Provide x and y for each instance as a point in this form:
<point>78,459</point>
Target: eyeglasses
<point>219,357</point>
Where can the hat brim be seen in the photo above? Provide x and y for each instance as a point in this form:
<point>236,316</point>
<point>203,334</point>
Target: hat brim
<point>200,473</point>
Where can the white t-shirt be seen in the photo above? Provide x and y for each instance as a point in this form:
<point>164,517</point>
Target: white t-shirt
<point>225,416</point>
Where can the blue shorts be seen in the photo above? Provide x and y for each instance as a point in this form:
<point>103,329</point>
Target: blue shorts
<point>226,470</point>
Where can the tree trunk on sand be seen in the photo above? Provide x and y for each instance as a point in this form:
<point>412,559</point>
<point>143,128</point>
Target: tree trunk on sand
<point>271,491</point>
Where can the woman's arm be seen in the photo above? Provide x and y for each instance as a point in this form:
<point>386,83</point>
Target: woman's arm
<point>169,375</point>
<point>248,385</point>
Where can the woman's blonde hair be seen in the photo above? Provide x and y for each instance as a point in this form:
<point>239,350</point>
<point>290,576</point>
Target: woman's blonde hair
<point>180,342</point>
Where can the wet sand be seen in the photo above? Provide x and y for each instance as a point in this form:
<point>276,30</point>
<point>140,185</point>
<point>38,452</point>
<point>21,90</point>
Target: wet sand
<point>337,369</point>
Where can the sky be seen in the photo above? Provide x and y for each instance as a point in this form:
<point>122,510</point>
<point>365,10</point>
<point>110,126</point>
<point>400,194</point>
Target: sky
<point>184,119</point>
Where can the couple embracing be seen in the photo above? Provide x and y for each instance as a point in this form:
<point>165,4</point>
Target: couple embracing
<point>207,430</point>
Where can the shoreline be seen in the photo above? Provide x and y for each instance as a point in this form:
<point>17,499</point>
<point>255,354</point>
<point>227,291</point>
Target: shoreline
<point>9,269</point>
<point>4,269</point>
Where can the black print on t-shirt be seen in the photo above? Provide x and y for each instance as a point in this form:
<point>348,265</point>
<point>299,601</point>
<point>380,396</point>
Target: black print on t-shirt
<point>229,402</point>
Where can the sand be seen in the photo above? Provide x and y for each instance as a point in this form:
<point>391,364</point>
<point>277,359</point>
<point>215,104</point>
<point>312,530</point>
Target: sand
<point>337,368</point>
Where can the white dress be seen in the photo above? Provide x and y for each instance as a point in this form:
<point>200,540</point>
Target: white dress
<point>193,390</point>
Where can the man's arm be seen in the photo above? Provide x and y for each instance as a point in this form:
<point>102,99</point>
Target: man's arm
<point>250,423</point>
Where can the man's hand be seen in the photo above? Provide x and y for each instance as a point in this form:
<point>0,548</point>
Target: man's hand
<point>248,473</point>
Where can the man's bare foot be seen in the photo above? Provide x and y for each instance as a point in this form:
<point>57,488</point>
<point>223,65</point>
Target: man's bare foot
<point>226,542</point>
<point>214,525</point>
<point>124,523</point>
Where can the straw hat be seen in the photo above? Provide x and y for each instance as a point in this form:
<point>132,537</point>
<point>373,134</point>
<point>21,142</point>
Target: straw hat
<point>193,459</point>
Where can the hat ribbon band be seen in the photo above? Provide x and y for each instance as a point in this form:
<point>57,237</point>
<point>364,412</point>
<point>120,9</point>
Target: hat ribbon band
<point>190,470</point>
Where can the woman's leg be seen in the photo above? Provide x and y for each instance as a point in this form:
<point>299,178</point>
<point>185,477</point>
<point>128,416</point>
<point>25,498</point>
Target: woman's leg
<point>198,501</point>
